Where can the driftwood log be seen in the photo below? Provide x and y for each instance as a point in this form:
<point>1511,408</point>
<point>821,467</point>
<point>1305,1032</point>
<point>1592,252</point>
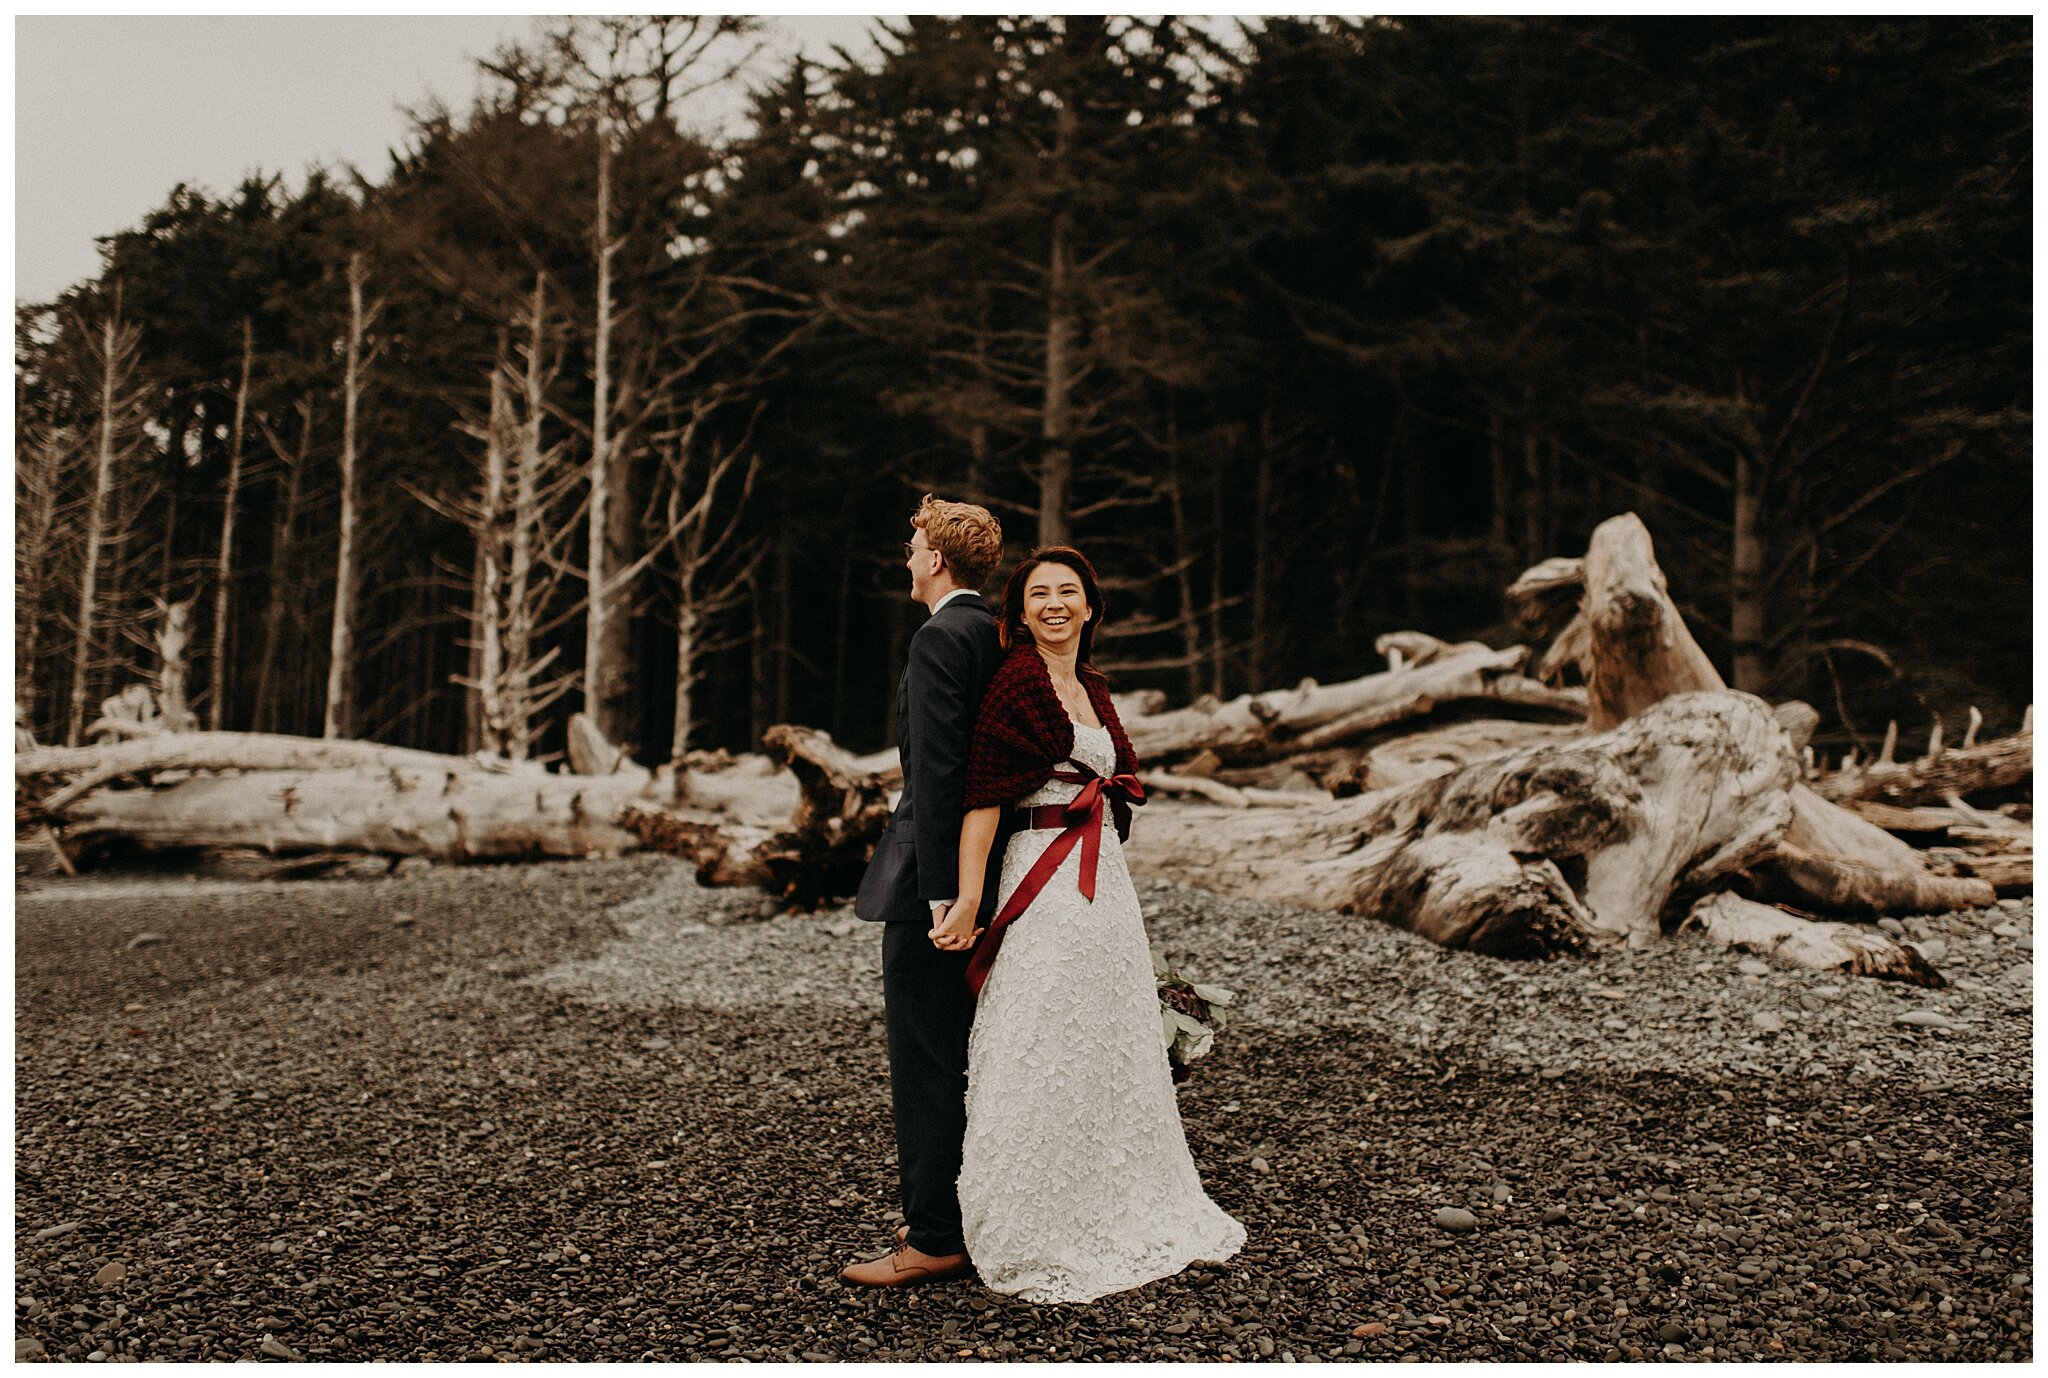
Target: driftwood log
<point>283,795</point>
<point>814,854</point>
<point>1940,775</point>
<point>1536,851</point>
<point>1684,789</point>
<point>1631,647</point>
<point>1262,727</point>
<point>1477,803</point>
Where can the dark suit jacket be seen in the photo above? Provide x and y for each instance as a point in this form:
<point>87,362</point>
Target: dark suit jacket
<point>952,657</point>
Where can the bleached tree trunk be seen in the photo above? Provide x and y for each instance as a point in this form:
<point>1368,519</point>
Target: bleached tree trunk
<point>341,636</point>
<point>602,674</point>
<point>114,357</point>
<point>487,618</point>
<point>520,590</point>
<point>224,563</point>
<point>687,669</point>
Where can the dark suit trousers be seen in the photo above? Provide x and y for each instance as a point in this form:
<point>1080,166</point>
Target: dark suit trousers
<point>930,1010</point>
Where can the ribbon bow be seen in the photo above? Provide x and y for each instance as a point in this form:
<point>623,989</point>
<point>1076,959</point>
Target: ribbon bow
<point>1083,817</point>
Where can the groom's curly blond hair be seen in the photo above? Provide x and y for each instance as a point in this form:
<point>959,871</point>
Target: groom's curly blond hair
<point>969,537</point>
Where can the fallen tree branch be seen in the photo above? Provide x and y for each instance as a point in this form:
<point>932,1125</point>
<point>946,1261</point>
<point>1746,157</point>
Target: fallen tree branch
<point>1734,922</point>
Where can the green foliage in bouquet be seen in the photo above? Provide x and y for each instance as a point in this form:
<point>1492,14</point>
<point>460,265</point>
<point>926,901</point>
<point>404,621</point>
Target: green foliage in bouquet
<point>1189,1015</point>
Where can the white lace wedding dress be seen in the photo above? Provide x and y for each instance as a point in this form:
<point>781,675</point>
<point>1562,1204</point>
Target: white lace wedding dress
<point>1075,1180</point>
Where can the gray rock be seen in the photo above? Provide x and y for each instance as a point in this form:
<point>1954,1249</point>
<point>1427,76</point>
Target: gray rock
<point>28,1348</point>
<point>1925,1019</point>
<point>1456,1219</point>
<point>57,1231</point>
<point>413,866</point>
<point>1933,949</point>
<point>145,940</point>
<point>277,1350</point>
<point>1768,1021</point>
<point>2007,930</point>
<point>1892,926</point>
<point>2021,974</point>
<point>1829,992</point>
<point>1751,966</point>
<point>114,1272</point>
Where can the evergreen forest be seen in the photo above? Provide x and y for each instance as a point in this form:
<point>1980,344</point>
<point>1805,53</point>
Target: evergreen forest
<point>1305,330</point>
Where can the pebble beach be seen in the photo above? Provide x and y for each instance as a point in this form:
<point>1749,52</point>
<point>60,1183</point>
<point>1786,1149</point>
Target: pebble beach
<point>593,1111</point>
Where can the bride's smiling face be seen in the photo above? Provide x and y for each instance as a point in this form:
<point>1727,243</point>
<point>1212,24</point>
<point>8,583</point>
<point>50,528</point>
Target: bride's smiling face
<point>1055,607</point>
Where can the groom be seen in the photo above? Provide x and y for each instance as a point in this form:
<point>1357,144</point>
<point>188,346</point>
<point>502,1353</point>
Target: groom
<point>954,547</point>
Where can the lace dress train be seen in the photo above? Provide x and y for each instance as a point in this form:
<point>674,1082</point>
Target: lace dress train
<point>1076,1180</point>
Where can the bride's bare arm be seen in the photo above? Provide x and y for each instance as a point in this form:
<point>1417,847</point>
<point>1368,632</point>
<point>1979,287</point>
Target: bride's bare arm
<point>977,835</point>
<point>956,932</point>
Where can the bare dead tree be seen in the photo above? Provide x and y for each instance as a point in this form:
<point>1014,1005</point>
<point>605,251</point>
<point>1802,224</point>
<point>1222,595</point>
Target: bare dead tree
<point>113,351</point>
<point>42,457</point>
<point>517,542</point>
<point>621,72</point>
<point>341,637</point>
<point>702,541</point>
<point>224,562</point>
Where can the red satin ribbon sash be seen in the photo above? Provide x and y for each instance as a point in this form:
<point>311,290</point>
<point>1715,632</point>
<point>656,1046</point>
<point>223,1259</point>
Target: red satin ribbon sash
<point>1083,819</point>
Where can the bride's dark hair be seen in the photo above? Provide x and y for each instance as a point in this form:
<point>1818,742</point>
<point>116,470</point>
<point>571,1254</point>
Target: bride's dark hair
<point>1012,629</point>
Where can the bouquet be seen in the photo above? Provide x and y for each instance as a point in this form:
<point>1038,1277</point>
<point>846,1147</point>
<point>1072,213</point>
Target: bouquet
<point>1189,1016</point>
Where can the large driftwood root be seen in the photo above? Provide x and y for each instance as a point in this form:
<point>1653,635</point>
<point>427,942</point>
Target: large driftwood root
<point>1536,851</point>
<point>1631,646</point>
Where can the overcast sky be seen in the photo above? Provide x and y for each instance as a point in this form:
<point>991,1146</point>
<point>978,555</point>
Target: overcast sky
<point>110,113</point>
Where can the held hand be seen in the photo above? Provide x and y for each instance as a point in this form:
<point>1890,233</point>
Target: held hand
<point>953,927</point>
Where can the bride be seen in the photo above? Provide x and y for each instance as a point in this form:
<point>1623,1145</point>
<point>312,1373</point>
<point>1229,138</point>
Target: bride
<point>1075,1178</point>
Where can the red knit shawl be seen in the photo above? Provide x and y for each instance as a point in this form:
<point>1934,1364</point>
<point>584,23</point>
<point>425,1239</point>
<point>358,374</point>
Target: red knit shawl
<point>1023,732</point>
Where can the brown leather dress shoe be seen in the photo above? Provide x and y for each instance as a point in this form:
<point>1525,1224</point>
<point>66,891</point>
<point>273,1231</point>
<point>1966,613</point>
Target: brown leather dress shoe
<point>905,1267</point>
